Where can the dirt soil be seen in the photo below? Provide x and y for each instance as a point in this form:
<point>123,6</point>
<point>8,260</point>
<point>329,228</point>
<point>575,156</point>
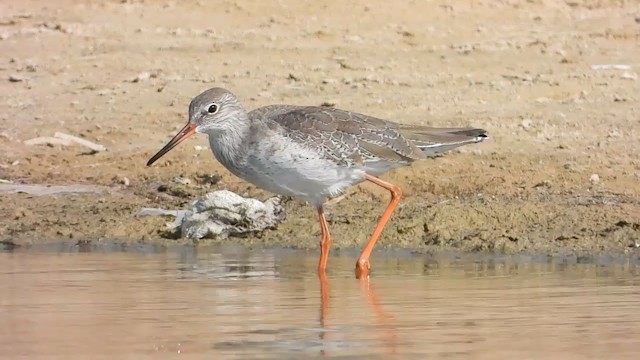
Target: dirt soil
<point>560,174</point>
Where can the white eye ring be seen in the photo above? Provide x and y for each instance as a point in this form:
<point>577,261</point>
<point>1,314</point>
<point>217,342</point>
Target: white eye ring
<point>213,108</point>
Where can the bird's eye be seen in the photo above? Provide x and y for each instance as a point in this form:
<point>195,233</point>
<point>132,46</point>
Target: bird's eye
<point>213,108</point>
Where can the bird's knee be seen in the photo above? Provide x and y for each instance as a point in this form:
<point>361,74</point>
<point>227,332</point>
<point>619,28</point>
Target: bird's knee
<point>396,192</point>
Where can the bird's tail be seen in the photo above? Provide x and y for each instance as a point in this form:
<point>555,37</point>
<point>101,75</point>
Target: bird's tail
<point>433,141</point>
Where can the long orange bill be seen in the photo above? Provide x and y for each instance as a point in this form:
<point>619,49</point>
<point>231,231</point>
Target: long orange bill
<point>186,131</point>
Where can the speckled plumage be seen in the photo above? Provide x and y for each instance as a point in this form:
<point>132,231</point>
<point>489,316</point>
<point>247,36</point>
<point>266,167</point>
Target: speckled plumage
<point>312,152</point>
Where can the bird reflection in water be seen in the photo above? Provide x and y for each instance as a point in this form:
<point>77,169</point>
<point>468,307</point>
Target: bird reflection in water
<point>384,320</point>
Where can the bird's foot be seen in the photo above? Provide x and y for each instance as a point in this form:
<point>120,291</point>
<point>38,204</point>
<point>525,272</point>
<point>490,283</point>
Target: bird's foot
<point>363,268</point>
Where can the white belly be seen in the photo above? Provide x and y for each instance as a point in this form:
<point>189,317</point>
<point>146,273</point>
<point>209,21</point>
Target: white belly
<point>302,174</point>
<point>292,169</point>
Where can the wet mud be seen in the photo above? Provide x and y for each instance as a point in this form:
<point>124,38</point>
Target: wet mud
<point>554,84</point>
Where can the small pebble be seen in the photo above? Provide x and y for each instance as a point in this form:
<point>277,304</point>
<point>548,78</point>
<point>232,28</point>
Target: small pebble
<point>182,180</point>
<point>209,179</point>
<point>594,179</point>
<point>16,78</point>
<point>122,180</point>
<point>526,124</point>
<point>141,77</point>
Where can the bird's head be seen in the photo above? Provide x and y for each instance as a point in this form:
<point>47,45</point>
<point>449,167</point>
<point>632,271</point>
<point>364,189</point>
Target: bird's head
<point>213,111</point>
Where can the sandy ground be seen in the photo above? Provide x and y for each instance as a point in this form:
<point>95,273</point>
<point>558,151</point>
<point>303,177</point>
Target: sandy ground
<point>561,173</point>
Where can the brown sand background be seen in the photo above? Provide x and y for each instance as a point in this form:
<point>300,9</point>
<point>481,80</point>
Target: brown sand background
<point>560,174</point>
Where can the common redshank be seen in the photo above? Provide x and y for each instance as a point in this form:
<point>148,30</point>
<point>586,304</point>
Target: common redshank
<point>313,153</point>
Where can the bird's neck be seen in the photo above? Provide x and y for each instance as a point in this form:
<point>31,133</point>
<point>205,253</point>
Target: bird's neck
<point>229,144</point>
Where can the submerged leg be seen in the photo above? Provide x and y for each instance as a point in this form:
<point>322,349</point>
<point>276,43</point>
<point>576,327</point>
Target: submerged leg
<point>325,241</point>
<point>324,302</point>
<point>363,266</point>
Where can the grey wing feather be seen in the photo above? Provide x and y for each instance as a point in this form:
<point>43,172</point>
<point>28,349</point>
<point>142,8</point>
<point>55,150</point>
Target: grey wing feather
<point>347,137</point>
<point>352,138</point>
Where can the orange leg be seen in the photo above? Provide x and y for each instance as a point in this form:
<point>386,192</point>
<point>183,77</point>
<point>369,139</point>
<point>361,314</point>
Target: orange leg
<point>324,301</point>
<point>363,266</point>
<point>325,245</point>
<point>325,242</point>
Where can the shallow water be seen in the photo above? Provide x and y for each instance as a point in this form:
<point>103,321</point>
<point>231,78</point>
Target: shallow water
<point>237,303</point>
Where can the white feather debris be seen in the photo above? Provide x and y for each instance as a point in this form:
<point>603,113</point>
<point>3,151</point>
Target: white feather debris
<point>611,67</point>
<point>64,140</point>
<point>179,214</point>
<point>47,140</point>
<point>87,143</point>
<point>223,213</point>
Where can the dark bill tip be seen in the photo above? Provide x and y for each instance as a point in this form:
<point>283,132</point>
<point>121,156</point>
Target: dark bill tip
<point>186,131</point>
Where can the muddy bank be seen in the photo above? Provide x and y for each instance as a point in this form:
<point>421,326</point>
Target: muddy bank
<point>555,85</point>
<point>540,222</point>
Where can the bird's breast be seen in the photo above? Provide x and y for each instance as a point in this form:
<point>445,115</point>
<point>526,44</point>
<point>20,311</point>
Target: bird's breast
<point>286,167</point>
